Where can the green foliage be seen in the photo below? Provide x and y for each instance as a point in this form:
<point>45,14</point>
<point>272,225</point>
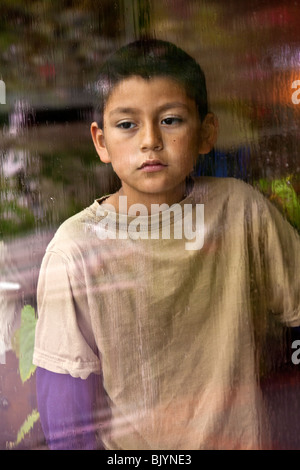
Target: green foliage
<point>28,424</point>
<point>23,345</point>
<point>24,342</point>
<point>282,194</point>
<point>288,197</point>
<point>15,218</point>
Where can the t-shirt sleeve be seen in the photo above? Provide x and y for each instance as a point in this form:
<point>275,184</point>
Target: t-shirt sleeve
<point>64,340</point>
<point>279,247</point>
<point>66,406</point>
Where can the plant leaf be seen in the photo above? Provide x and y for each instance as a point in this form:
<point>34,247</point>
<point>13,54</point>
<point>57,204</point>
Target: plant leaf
<point>26,342</point>
<point>28,424</point>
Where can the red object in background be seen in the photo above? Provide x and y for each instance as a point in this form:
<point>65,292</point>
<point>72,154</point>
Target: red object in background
<point>47,71</point>
<point>280,15</point>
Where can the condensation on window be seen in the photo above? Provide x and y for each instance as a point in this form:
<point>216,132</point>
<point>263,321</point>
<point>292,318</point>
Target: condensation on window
<point>50,54</point>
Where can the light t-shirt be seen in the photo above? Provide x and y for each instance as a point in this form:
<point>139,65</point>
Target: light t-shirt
<point>174,331</point>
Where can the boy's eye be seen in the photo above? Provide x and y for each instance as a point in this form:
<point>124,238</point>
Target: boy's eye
<point>169,121</point>
<point>126,125</point>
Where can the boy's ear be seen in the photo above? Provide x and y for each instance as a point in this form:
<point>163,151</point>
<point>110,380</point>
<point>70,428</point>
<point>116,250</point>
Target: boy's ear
<point>99,143</point>
<point>209,133</point>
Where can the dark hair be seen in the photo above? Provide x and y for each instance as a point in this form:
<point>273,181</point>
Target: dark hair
<point>150,58</point>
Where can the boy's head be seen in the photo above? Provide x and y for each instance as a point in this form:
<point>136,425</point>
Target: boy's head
<point>152,120</point>
<point>149,59</point>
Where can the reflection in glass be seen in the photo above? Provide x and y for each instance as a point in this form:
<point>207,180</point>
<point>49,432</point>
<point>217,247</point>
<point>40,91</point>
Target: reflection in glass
<point>49,58</point>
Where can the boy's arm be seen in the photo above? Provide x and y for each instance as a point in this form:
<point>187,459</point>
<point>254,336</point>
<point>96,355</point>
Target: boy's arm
<point>68,367</point>
<point>279,248</point>
<point>66,410</point>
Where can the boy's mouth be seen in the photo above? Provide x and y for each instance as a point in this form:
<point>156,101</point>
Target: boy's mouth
<point>152,165</point>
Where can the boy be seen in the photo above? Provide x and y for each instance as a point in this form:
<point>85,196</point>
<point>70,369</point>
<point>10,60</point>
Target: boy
<point>139,334</point>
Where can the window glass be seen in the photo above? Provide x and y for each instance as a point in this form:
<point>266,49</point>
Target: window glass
<point>50,55</point>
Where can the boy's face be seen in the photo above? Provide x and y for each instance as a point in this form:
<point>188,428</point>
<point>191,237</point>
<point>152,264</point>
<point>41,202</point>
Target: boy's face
<point>152,135</point>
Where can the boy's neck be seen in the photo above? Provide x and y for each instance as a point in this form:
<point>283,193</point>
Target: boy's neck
<point>149,202</point>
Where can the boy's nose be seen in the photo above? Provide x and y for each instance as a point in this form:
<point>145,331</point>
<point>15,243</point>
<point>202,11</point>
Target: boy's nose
<point>151,138</point>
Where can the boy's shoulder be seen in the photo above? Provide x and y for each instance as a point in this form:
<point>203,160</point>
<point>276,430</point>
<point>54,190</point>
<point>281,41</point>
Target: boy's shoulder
<point>241,201</point>
<point>75,231</point>
<point>233,198</point>
<point>216,188</point>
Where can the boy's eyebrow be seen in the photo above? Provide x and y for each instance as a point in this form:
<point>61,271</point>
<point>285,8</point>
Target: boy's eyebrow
<point>164,107</point>
<point>175,104</point>
<point>121,110</point>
